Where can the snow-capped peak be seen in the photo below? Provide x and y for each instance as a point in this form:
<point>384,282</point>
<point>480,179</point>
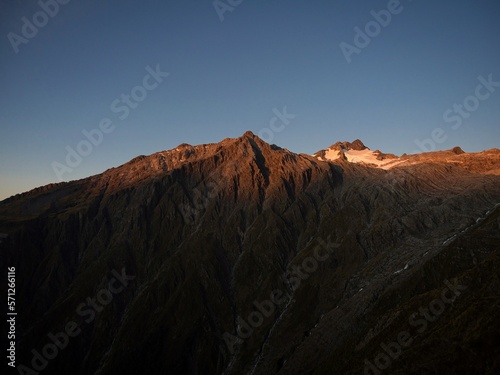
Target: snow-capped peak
<point>357,152</point>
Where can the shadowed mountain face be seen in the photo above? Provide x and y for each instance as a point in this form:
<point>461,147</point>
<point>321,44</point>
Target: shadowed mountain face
<point>245,258</point>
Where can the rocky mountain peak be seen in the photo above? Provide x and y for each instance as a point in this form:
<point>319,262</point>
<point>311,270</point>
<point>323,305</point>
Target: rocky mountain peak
<point>457,150</point>
<point>356,145</point>
<point>248,134</point>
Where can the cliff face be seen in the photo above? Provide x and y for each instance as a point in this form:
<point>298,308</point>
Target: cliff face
<point>247,258</point>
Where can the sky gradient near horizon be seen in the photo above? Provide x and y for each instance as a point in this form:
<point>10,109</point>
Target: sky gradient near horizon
<point>236,74</point>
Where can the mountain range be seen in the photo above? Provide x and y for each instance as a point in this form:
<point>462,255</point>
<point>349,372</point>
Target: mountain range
<point>242,257</point>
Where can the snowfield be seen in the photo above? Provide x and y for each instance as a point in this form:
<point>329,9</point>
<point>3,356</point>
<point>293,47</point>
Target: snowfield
<point>366,156</point>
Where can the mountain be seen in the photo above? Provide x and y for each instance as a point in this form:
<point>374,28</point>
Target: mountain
<point>357,152</point>
<point>245,258</point>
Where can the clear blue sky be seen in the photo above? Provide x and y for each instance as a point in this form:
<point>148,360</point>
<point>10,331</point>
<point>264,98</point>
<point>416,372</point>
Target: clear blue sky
<point>227,77</point>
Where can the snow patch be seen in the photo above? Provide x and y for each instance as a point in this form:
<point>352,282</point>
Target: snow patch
<point>449,239</point>
<point>332,154</point>
<point>365,156</point>
<point>402,269</point>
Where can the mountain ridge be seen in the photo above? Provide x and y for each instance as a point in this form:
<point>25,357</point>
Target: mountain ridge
<point>210,232</point>
<point>173,158</point>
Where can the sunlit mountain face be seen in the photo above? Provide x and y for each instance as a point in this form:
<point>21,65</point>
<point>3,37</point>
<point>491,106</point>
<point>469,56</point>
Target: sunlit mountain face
<point>242,257</point>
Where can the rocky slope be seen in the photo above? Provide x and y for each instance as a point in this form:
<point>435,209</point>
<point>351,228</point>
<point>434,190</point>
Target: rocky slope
<point>246,258</point>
